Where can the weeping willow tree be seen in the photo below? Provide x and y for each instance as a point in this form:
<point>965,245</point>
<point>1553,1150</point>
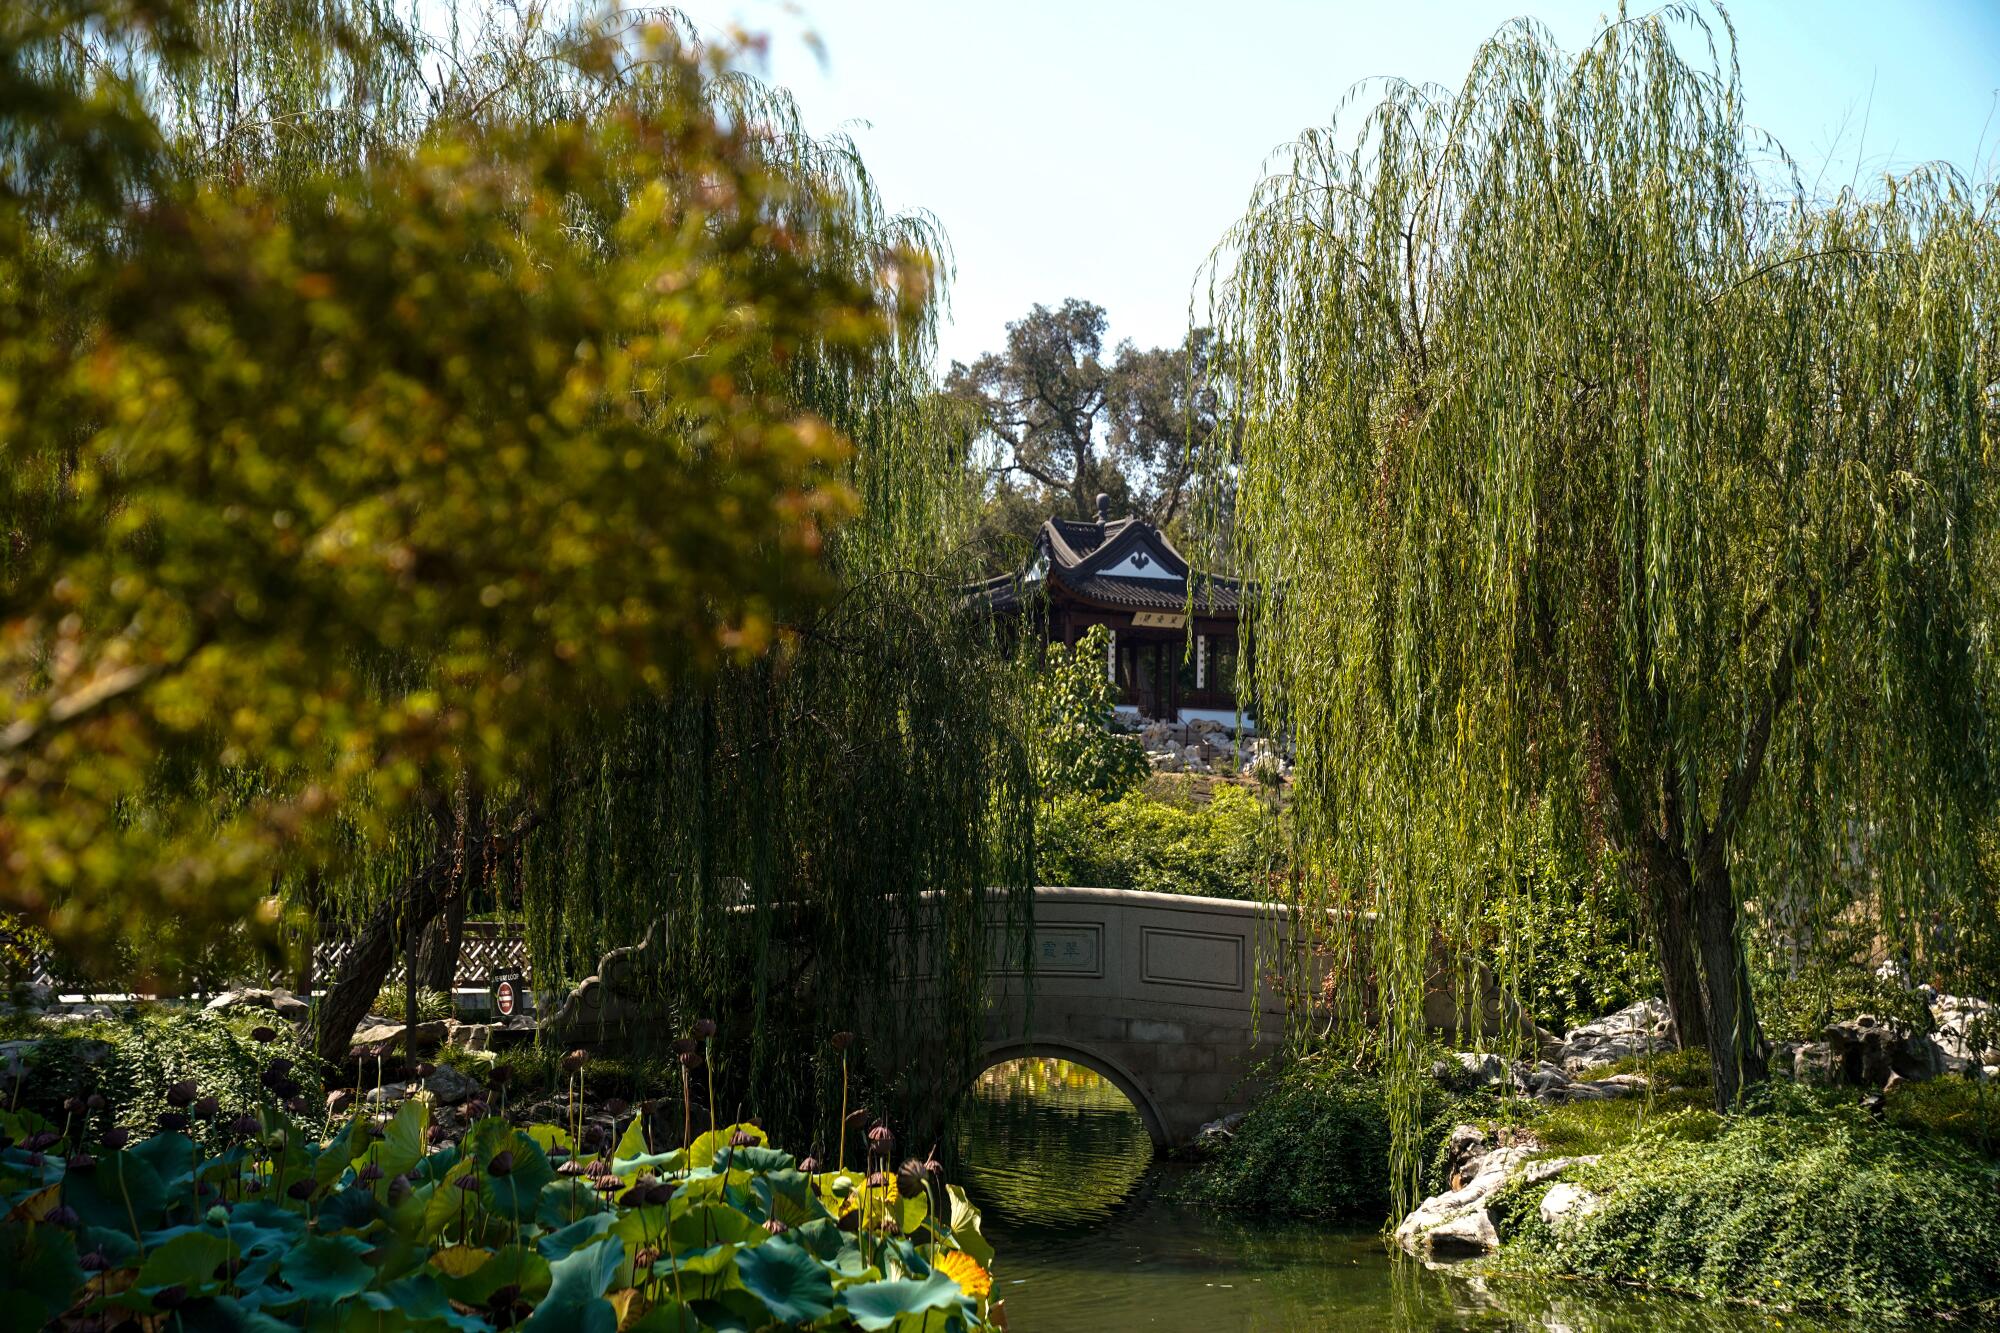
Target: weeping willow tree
<point>1588,458</point>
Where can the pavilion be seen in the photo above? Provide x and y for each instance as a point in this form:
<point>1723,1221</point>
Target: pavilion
<point>1175,658</point>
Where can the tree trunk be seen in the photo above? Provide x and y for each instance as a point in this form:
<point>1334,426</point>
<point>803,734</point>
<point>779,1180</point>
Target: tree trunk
<point>367,964</point>
<point>437,953</point>
<point>1736,1052</point>
<point>441,880</point>
<point>1669,884</point>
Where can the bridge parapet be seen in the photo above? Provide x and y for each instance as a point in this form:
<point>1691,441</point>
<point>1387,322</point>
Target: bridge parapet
<point>1164,995</point>
<point>1158,992</point>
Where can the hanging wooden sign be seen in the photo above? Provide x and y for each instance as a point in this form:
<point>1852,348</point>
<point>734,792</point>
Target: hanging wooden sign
<point>1158,620</point>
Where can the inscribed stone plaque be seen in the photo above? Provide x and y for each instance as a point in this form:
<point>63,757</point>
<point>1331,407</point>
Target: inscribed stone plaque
<point>1060,950</point>
<point>1201,959</point>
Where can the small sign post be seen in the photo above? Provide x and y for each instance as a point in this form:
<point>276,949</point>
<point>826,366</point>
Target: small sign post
<point>510,993</point>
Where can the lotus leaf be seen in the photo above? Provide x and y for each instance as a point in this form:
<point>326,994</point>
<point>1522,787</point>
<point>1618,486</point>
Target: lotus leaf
<point>876,1305</point>
<point>793,1285</point>
<point>43,1272</point>
<point>328,1268</point>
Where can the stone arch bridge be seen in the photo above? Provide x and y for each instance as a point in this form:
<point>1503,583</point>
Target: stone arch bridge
<point>1168,996</point>
<point>1164,995</point>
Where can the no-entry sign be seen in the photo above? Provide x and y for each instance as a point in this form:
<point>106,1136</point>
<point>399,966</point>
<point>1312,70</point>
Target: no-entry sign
<point>503,998</point>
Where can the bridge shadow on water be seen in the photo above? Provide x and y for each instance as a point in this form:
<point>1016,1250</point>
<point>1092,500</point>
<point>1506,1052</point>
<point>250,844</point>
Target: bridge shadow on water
<point>1090,1237</point>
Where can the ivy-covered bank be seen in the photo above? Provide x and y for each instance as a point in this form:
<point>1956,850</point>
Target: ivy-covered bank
<point>1881,1202</point>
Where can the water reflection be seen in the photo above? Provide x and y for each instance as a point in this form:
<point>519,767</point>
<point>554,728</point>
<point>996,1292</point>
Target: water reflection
<point>1089,1238</point>
<point>1047,1143</point>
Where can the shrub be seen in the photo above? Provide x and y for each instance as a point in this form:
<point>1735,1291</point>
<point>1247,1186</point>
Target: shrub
<point>1077,754</point>
<point>432,1005</point>
<point>1222,849</point>
<point>1799,1007</point>
<point>1316,1144</point>
<point>1800,1206</point>
<point>134,1064</point>
<point>1966,1111</point>
<point>1576,932</point>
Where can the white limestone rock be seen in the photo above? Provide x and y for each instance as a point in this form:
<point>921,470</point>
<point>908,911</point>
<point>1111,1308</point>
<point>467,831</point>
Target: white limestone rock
<point>1644,1028</point>
<point>1566,1204</point>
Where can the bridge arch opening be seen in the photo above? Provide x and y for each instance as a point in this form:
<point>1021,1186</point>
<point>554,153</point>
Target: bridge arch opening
<point>1054,1139</point>
<point>1108,1069</point>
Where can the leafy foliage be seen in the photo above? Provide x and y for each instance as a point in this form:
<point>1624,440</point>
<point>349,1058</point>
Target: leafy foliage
<point>1600,463</point>
<point>1078,752</point>
<point>134,1063</point>
<point>294,534</point>
<point>1570,938</point>
<point>1220,848</point>
<point>275,1226</point>
<point>1794,1208</point>
<point>431,1004</point>
<point>1317,1145</point>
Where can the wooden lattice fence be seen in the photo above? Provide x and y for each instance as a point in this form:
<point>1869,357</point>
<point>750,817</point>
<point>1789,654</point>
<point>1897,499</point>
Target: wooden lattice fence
<point>485,949</point>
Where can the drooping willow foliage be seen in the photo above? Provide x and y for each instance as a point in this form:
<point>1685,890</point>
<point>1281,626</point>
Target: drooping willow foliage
<point>832,837</point>
<point>1587,457</point>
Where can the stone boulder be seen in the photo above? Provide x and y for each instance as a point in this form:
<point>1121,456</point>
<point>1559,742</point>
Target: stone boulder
<point>1865,1051</point>
<point>389,1037</point>
<point>1967,1030</point>
<point>1455,1224</point>
<point>1644,1028</point>
<point>448,1087</point>
<point>277,1000</point>
<point>1566,1204</point>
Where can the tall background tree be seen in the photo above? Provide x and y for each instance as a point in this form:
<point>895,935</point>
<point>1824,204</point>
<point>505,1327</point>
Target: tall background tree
<point>1053,425</point>
<point>1593,460</point>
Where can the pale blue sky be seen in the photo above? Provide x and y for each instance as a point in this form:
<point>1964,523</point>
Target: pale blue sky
<point>1099,148</point>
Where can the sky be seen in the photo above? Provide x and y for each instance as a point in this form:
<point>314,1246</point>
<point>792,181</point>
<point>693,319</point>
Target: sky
<point>1100,148</point>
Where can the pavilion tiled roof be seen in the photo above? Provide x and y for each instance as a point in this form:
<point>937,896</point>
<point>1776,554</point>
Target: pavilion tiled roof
<point>1075,553</point>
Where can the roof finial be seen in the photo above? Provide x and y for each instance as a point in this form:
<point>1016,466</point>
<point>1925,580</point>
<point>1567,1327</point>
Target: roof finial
<point>1103,508</point>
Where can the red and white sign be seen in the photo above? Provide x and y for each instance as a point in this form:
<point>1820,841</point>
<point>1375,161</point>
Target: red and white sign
<point>503,998</point>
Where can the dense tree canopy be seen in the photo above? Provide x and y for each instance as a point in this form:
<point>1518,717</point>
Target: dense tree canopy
<point>1055,424</point>
<point>1589,457</point>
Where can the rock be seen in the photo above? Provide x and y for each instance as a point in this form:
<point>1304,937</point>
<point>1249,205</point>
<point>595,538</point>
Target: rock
<point>1217,1132</point>
<point>1465,1236</point>
<point>31,998</point>
<point>1813,1063</point>
<point>1861,1050</point>
<point>278,1000</point>
<point>1474,1069</point>
<point>1567,1203</point>
<point>387,1095</point>
<point>1534,1173</point>
<point>16,1056</point>
<point>1644,1028</point>
<point>448,1087</point>
<point>430,1036</point>
<point>1598,1090</point>
<point>79,1013</point>
<point>1455,1223</point>
<point>1463,1151</point>
<point>1967,1030</point>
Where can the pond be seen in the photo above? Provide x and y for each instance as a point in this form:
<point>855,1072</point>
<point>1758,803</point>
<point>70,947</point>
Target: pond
<point>1090,1238</point>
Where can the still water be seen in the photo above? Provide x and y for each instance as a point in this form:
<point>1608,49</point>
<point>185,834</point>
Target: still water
<point>1088,1238</point>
